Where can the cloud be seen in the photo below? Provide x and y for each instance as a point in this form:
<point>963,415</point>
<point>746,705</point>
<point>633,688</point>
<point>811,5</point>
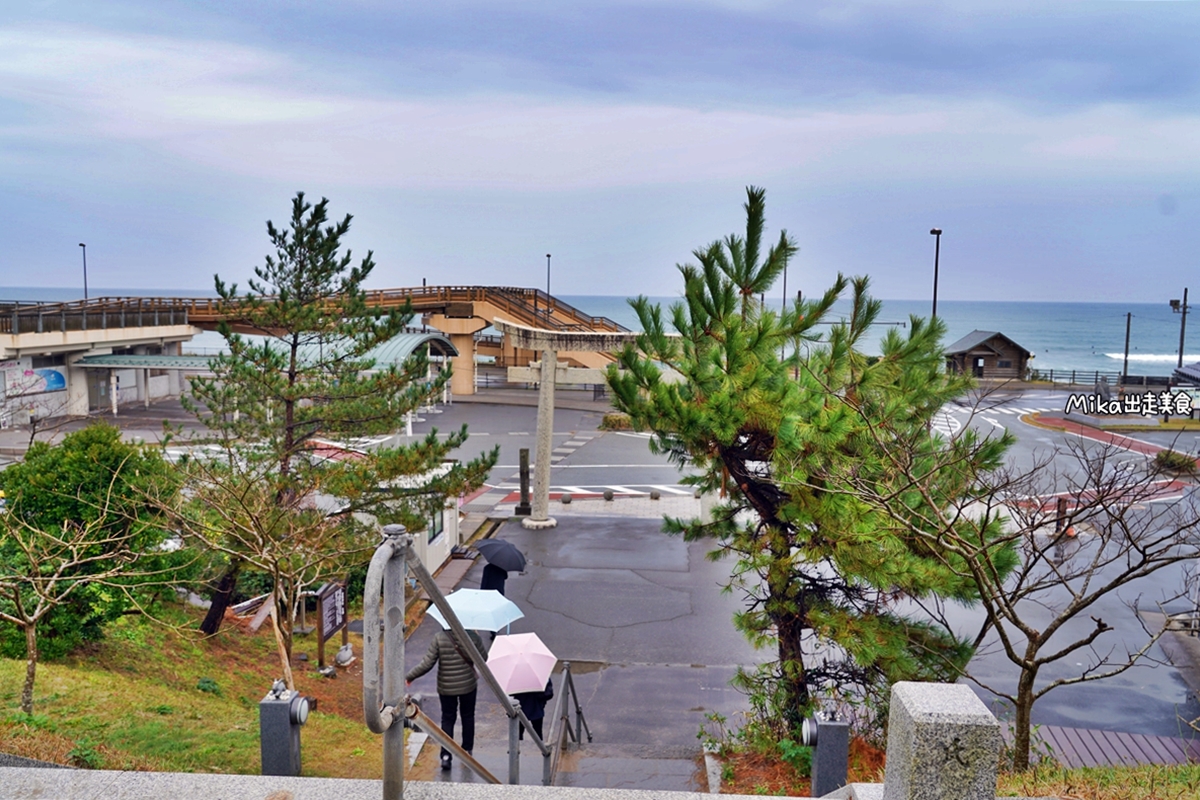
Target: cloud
<point>261,114</point>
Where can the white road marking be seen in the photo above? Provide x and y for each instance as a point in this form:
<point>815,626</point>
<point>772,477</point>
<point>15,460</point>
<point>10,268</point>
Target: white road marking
<point>671,490</point>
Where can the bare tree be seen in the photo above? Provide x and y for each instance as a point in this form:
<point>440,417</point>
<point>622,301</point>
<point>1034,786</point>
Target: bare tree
<point>43,568</point>
<point>296,545</point>
<point>49,419</point>
<point>1076,525</point>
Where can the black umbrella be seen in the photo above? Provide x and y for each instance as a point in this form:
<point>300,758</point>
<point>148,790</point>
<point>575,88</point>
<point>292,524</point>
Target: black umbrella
<point>502,553</point>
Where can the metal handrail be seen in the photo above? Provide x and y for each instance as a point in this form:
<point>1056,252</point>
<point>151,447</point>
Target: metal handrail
<point>382,710</point>
<point>382,714</point>
<point>513,711</point>
<point>563,721</point>
<point>413,712</point>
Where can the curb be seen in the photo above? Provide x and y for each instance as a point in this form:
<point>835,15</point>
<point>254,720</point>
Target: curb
<point>416,740</point>
<point>712,768</point>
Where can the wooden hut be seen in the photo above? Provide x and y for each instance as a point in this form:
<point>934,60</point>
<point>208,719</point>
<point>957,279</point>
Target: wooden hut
<point>988,354</point>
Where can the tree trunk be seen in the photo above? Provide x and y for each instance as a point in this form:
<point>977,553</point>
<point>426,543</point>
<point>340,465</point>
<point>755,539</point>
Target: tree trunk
<point>285,658</point>
<point>1021,736</point>
<point>30,668</point>
<point>221,599</point>
<point>791,629</point>
<point>284,620</point>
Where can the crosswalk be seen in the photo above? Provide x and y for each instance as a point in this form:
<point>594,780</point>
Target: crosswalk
<point>567,448</point>
<point>623,490</point>
<point>949,420</point>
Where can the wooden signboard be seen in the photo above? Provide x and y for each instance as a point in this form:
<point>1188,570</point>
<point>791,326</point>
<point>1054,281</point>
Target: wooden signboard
<point>331,616</point>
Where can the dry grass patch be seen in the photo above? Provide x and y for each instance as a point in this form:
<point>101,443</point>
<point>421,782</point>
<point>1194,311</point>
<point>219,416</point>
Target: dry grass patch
<point>155,698</point>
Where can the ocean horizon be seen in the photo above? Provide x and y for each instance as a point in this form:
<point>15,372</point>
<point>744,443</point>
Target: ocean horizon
<point>1063,336</point>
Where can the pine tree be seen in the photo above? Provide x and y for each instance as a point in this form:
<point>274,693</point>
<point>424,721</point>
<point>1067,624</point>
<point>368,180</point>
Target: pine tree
<point>274,499</point>
<point>774,412</point>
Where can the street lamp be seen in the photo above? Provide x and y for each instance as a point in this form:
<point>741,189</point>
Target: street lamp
<point>1182,309</point>
<point>84,246</point>
<point>937,251</point>
<point>547,285</point>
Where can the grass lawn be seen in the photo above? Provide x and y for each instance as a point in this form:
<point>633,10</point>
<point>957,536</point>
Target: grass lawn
<point>154,697</point>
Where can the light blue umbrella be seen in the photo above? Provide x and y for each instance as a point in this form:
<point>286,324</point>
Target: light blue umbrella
<point>479,610</point>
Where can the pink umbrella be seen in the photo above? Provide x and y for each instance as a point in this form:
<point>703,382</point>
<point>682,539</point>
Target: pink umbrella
<point>521,662</point>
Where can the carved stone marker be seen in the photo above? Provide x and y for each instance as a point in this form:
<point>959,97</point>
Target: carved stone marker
<point>943,744</point>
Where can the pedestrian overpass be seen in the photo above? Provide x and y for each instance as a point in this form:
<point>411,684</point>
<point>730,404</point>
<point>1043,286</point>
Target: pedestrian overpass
<point>463,313</point>
<point>66,358</point>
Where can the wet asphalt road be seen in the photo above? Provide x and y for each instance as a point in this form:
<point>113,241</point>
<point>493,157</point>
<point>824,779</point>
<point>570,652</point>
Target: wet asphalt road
<point>642,620</point>
<point>1150,698</point>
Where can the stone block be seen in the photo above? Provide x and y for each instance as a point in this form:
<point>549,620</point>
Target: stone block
<point>943,744</point>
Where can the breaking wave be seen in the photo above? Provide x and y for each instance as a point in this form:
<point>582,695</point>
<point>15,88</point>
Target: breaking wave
<point>1156,357</point>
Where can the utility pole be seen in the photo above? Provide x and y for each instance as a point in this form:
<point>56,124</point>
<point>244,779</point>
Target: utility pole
<point>937,251</point>
<point>1181,308</point>
<point>1125,369</point>
<point>84,246</point>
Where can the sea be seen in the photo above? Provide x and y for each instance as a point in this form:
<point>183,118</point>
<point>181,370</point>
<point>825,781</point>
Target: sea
<point>1086,338</point>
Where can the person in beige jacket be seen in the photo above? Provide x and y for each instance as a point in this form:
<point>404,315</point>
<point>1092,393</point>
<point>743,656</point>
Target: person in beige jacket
<point>457,685</point>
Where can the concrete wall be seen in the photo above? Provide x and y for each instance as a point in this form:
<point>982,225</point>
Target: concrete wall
<point>434,554</point>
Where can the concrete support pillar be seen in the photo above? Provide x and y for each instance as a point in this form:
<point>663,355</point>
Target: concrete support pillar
<point>462,380</point>
<point>461,325</point>
<point>540,518</point>
<point>114,386</point>
<point>77,391</point>
<point>144,386</point>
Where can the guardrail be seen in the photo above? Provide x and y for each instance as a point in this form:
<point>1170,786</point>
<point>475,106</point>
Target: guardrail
<point>98,314</point>
<point>1086,377</point>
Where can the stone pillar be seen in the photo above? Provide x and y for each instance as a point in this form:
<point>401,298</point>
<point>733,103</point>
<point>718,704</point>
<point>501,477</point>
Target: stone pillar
<point>462,379</point>
<point>943,744</point>
<point>540,518</point>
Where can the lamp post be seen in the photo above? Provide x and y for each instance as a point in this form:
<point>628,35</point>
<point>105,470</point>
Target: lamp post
<point>1182,309</point>
<point>84,246</point>
<point>547,286</point>
<point>937,251</point>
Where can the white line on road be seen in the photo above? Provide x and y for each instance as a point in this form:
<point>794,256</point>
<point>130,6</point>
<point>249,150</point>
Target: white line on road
<point>596,466</point>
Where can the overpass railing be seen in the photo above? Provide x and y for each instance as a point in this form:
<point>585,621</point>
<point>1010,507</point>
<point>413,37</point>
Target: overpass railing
<point>97,314</point>
<point>524,305</point>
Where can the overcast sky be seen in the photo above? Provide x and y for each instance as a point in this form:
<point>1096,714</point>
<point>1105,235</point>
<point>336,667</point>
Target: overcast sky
<point>1057,143</point>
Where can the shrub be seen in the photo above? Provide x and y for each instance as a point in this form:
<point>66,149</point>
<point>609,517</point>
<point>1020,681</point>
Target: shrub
<point>84,756</point>
<point>1174,461</point>
<point>616,421</point>
<point>797,755</point>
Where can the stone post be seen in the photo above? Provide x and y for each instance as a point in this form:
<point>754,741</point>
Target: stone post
<point>943,744</point>
<point>545,435</point>
<point>549,343</point>
<point>523,508</point>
